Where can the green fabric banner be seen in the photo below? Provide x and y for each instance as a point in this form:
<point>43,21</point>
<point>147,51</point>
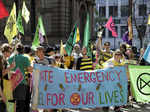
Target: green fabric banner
<point>40,26</point>
<point>19,23</point>
<point>87,32</point>
<point>140,82</point>
<point>40,22</point>
<point>71,41</point>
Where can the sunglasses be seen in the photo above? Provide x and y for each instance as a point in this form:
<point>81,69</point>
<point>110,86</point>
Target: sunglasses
<point>118,54</point>
<point>57,57</point>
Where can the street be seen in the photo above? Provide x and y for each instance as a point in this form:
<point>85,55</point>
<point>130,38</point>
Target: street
<point>136,107</point>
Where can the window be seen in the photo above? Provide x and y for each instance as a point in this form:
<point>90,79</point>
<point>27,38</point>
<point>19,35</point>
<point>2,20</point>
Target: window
<point>142,10</point>
<point>124,11</point>
<point>47,22</point>
<point>123,30</point>
<point>102,11</point>
<point>113,11</point>
<point>142,29</point>
<point>110,33</point>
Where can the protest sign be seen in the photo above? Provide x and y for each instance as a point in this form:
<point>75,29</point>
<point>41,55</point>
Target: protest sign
<point>61,88</point>
<point>140,82</point>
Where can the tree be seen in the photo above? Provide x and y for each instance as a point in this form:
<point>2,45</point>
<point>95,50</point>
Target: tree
<point>142,25</point>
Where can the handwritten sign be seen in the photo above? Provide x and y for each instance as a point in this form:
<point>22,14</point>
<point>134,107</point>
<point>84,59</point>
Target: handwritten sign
<point>16,78</point>
<point>60,88</point>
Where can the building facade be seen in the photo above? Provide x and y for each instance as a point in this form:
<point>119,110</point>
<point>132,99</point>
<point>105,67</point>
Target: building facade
<point>59,17</point>
<point>119,10</point>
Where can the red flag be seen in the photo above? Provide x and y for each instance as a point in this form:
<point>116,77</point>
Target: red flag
<point>3,11</point>
<point>111,26</point>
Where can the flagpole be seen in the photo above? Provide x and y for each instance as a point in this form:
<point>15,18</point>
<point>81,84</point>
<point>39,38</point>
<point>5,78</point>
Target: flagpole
<point>46,39</point>
<point>114,42</point>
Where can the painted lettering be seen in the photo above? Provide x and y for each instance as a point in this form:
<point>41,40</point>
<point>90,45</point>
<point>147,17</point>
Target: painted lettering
<point>115,92</point>
<point>91,97</point>
<point>121,94</point>
<point>111,74</point>
<point>100,99</point>
<point>100,78</point>
<point>80,77</point>
<point>118,74</point>
<point>85,97</point>
<point>92,75</point>
<point>86,77</point>
<point>61,99</point>
<point>47,76</point>
<point>66,78</point>
<point>55,99</point>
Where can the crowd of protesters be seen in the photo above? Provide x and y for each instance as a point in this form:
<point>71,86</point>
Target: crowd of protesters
<point>23,57</point>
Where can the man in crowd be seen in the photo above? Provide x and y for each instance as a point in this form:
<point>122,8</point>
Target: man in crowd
<point>21,92</point>
<point>84,63</point>
<point>103,54</point>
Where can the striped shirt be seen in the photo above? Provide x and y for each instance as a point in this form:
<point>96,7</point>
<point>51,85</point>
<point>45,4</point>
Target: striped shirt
<point>104,56</point>
<point>84,64</point>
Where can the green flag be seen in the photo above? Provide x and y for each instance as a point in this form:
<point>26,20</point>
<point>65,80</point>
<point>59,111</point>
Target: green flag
<point>19,23</point>
<point>89,49</point>
<point>39,32</point>
<point>87,32</point>
<point>71,41</point>
<point>140,82</point>
<point>41,26</point>
<point>36,41</point>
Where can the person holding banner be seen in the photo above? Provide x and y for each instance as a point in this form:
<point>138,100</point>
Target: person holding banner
<point>116,60</point>
<point>43,60</point>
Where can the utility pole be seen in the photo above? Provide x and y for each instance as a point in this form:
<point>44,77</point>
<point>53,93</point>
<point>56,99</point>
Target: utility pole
<point>17,6</point>
<point>33,15</point>
<point>130,14</point>
<point>130,8</point>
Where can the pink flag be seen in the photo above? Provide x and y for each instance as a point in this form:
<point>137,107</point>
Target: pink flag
<point>3,11</point>
<point>111,26</point>
<point>16,78</point>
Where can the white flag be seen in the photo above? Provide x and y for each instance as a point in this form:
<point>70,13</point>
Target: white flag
<point>25,13</point>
